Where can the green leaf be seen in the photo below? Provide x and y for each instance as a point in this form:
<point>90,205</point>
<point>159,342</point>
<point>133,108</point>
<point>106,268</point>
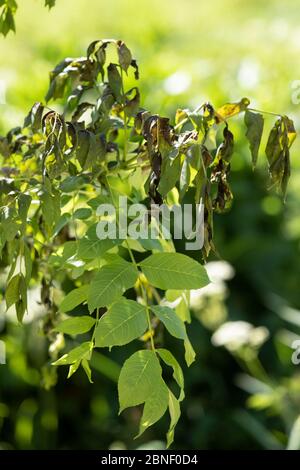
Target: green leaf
<point>138,378</point>
<point>124,321</point>
<point>28,263</point>
<point>294,438</point>
<point>172,322</point>
<point>155,406</point>
<point>77,354</point>
<point>12,291</point>
<point>170,173</point>
<point>174,410</point>
<point>61,223</point>
<point>74,298</point>
<point>83,147</point>
<point>255,124</point>
<point>8,224</point>
<point>86,367</point>
<point>50,205</point>
<point>141,381</point>
<point>97,201</point>
<point>111,282</point>
<point>7,22</point>
<point>91,247</point>
<point>82,214</point>
<point>24,201</point>
<point>170,360</point>
<point>73,368</point>
<point>141,378</point>
<point>76,325</point>
<point>174,271</point>
<point>50,3</point>
<point>34,117</point>
<point>68,254</point>
<point>185,178</point>
<point>20,309</point>
<point>189,352</point>
<point>176,328</point>
<point>73,183</point>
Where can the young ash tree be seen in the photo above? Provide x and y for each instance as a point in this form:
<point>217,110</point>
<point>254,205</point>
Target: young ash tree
<point>96,144</point>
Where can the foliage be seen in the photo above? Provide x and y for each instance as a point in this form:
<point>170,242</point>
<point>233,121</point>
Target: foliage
<point>60,166</point>
<point>8,9</point>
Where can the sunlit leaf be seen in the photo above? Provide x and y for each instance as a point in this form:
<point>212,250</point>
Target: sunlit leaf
<point>77,354</point>
<point>231,109</point>
<point>111,281</point>
<point>174,271</point>
<point>74,298</point>
<point>124,321</point>
<point>76,325</point>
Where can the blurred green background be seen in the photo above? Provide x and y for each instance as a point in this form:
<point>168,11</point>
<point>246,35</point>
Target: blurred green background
<point>188,52</point>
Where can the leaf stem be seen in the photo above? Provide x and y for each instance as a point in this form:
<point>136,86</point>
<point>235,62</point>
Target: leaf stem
<point>96,324</point>
<point>125,118</point>
<point>263,112</point>
<point>144,295</point>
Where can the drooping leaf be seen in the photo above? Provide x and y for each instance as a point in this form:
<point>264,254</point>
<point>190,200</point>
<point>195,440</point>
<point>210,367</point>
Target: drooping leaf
<point>189,352</point>
<point>170,360</point>
<point>12,291</point>
<point>231,109</point>
<point>77,354</point>
<point>21,304</point>
<point>255,124</point>
<point>172,322</point>
<point>124,55</point>
<point>124,321</point>
<point>73,368</point>
<point>115,81</point>
<point>294,438</point>
<point>278,146</point>
<point>110,283</point>
<point>34,117</point>
<point>24,201</point>
<point>174,410</point>
<point>290,130</point>
<point>50,3</point>
<point>174,271</point>
<point>225,149</point>
<point>50,205</point>
<point>170,173</point>
<point>86,367</point>
<point>185,178</point>
<point>7,12</point>
<point>16,294</point>
<point>138,379</point>
<point>155,406</point>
